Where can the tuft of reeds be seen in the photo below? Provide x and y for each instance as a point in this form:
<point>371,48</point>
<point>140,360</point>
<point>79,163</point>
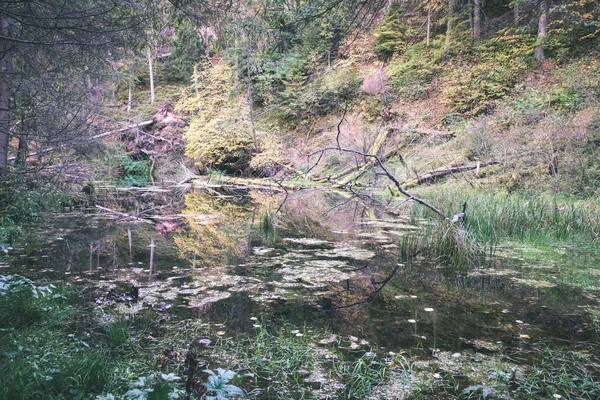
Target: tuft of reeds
<point>268,226</point>
<point>493,216</point>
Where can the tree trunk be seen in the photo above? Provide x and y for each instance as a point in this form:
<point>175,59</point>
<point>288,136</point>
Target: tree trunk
<point>428,26</point>
<point>451,6</point>
<point>250,103</point>
<point>470,3</point>
<point>21,152</point>
<point>476,21</point>
<point>5,91</point>
<point>151,76</point>
<point>542,28</point>
<point>129,96</point>
<point>516,11</point>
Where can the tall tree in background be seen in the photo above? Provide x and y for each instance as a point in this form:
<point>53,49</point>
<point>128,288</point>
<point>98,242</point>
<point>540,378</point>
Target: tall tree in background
<point>451,7</point>
<point>476,21</point>
<point>53,53</point>
<point>542,29</point>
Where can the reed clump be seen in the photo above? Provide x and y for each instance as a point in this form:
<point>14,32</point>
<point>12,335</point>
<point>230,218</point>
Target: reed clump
<point>495,216</point>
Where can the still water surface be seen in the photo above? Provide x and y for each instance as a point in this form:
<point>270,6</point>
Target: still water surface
<point>316,260</point>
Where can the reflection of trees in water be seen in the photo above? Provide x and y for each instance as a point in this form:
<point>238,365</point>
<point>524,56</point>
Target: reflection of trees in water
<point>323,214</point>
<point>217,227</point>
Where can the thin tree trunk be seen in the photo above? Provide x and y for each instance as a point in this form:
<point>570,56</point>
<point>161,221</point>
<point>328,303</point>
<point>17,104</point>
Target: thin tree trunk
<point>428,26</point>
<point>470,7</point>
<point>516,11</point>
<point>476,21</point>
<point>250,103</point>
<point>542,28</point>
<point>151,69</point>
<point>129,97</point>
<point>5,91</point>
<point>451,7</point>
<point>152,246</point>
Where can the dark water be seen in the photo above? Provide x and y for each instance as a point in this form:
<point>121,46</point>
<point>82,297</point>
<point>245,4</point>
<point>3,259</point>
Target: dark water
<point>321,262</point>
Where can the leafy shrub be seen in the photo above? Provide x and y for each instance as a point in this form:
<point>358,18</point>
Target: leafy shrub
<point>567,98</point>
<point>574,28</point>
<point>135,173</point>
<point>22,302</point>
<point>218,385</point>
<point>219,134</point>
<point>152,387</point>
<point>23,201</point>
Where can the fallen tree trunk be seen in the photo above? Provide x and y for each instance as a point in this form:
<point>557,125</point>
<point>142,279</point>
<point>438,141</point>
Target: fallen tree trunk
<point>125,215</point>
<point>145,123</point>
<point>434,175</point>
<point>101,135</point>
<point>224,181</point>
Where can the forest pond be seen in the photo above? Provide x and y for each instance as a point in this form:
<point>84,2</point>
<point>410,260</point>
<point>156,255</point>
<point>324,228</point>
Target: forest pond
<point>330,266</point>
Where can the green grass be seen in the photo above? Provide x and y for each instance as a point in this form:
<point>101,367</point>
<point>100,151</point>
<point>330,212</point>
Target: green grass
<point>117,333</point>
<point>495,216</point>
<point>277,354</point>
<point>282,358</point>
<point>360,376</point>
<point>46,351</point>
<point>559,372</point>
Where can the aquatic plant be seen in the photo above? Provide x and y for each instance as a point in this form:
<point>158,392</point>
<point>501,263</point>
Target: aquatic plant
<point>268,225</point>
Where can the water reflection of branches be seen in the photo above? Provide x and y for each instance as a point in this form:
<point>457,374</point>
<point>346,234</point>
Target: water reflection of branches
<point>374,295</point>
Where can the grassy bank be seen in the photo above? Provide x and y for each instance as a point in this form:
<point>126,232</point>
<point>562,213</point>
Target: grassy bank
<point>495,216</point>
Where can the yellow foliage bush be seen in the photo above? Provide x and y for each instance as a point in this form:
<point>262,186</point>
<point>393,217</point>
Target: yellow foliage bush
<point>219,134</point>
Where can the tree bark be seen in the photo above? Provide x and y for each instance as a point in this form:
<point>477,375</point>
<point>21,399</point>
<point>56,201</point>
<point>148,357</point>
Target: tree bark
<point>542,28</point>
<point>476,21</point>
<point>5,92</point>
<point>151,76</point>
